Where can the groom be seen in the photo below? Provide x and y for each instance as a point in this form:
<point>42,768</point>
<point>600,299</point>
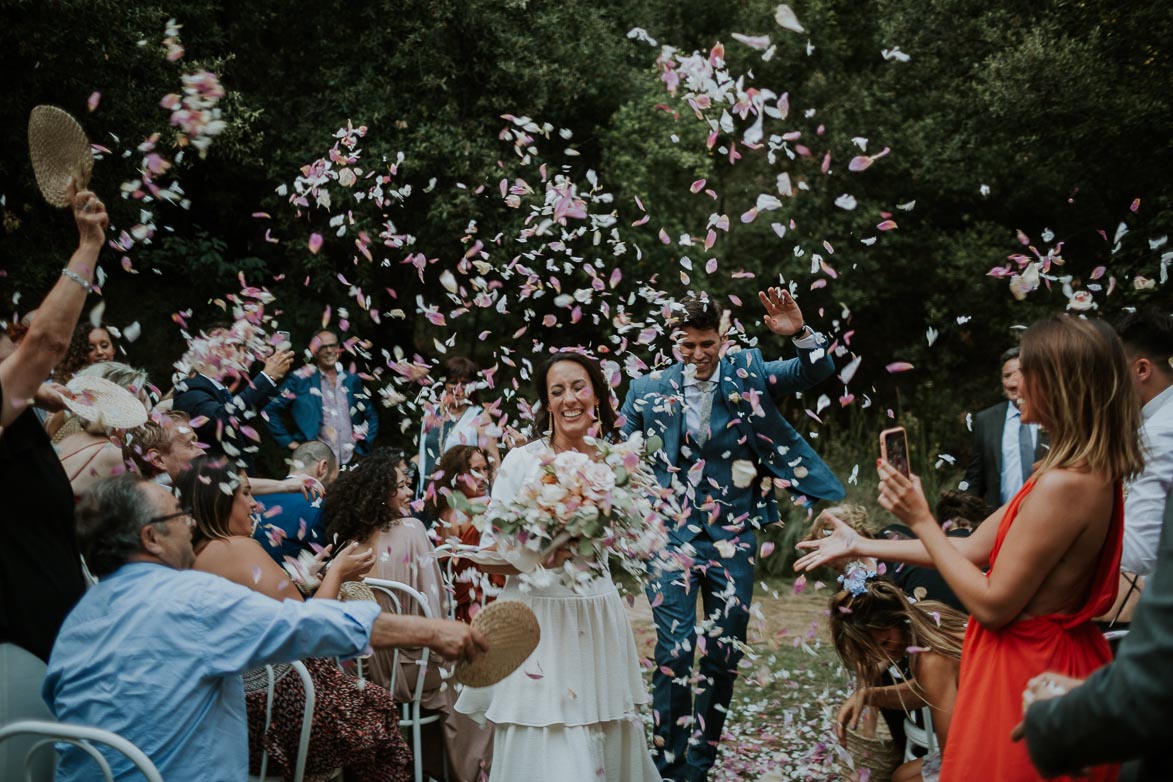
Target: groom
<point>725,446</point>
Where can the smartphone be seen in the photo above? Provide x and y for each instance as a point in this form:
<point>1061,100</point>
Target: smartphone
<point>894,449</point>
<point>282,341</point>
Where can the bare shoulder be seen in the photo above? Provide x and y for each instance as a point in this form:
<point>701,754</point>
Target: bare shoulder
<point>932,665</point>
<point>228,552</point>
<point>1069,485</point>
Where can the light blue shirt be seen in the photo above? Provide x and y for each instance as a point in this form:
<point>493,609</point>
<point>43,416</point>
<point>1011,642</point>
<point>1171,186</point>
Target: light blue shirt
<point>155,654</point>
<point>1011,458</point>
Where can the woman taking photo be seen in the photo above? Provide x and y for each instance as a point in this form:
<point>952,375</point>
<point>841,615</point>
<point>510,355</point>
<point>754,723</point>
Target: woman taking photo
<point>353,728</point>
<point>1053,552</point>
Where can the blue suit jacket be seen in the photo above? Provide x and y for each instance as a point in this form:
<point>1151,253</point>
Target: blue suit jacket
<point>301,396</point>
<point>746,414</point>
<point>291,540</point>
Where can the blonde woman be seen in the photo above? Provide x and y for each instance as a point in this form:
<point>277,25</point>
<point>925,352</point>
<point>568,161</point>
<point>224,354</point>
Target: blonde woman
<point>1052,552</point>
<point>874,627</point>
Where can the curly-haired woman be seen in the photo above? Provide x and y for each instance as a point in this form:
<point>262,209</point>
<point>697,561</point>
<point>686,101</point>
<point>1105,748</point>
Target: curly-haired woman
<point>369,505</point>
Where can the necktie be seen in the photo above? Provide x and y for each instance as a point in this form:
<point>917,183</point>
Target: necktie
<point>1026,450</point>
<point>706,389</point>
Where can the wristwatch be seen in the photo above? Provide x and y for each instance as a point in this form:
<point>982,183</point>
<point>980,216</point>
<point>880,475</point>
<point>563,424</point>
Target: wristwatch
<point>803,333</point>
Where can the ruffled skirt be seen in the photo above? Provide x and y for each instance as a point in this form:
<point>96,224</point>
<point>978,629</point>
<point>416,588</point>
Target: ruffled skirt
<point>574,704</point>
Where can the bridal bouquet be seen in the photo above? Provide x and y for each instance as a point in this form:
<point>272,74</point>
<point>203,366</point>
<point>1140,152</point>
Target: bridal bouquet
<point>609,510</point>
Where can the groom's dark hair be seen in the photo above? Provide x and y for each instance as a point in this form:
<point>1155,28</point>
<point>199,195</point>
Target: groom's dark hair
<point>698,312</point>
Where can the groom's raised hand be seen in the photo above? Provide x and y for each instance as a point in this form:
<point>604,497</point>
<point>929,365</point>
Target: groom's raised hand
<point>783,317</point>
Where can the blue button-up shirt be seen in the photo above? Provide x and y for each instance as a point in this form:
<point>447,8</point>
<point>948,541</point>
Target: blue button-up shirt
<point>155,655</point>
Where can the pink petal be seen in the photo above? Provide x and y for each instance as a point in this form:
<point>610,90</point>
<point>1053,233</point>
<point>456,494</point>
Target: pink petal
<point>887,225</point>
<point>315,243</point>
<point>898,366</point>
<point>92,103</point>
<point>697,186</point>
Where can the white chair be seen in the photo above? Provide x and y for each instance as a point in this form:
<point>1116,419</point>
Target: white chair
<point>81,736</point>
<point>919,736</point>
<point>307,722</point>
<point>412,716</point>
<point>21,675</point>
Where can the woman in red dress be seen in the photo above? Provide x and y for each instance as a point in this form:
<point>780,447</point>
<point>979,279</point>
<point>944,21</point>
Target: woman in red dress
<point>1053,552</point>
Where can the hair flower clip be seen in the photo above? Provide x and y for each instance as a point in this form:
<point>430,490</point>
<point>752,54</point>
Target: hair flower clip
<point>855,578</point>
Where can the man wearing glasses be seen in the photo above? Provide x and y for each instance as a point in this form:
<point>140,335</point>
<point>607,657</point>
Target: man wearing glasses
<point>155,650</point>
<point>325,403</point>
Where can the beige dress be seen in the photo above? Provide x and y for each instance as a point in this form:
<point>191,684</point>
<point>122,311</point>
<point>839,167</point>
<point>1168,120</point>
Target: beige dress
<point>404,553</point>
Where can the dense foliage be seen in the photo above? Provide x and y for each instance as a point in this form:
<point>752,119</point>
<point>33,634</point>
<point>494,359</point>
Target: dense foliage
<point>1008,123</point>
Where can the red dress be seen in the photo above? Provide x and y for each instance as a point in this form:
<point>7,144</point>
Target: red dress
<point>997,664</point>
<point>469,580</point>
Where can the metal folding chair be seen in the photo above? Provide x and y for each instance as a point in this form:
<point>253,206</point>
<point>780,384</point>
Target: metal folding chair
<point>412,715</point>
<point>81,736</point>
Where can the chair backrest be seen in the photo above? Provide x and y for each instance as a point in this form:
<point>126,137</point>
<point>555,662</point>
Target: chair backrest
<point>393,590</point>
<point>21,675</point>
<point>307,718</point>
<point>80,736</point>
<point>922,736</point>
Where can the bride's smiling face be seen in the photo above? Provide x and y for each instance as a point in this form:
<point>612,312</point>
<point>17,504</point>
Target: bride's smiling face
<point>572,399</point>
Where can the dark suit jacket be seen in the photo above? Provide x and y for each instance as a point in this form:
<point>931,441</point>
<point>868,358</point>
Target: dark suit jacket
<point>984,474</point>
<point>225,423</point>
<point>301,396</point>
<point>1124,710</point>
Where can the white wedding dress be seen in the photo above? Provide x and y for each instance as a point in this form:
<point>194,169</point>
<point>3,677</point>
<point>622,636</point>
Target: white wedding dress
<point>571,711</point>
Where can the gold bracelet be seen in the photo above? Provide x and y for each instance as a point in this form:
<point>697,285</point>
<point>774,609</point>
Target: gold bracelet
<point>82,281</point>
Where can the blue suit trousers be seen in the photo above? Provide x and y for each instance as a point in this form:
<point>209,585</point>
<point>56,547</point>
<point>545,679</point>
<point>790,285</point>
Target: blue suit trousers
<point>691,710</point>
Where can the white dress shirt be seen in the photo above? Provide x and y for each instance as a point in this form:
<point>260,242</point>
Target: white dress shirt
<point>693,398</point>
<point>1144,502</point>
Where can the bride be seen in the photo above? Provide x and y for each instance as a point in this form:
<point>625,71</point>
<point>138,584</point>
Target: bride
<point>574,704</point>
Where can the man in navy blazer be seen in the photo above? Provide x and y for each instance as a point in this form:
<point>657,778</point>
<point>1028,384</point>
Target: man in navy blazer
<point>224,419</point>
<point>725,446</point>
<point>326,403</point>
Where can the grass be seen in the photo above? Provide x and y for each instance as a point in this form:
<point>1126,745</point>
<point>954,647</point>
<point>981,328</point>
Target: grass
<point>780,721</point>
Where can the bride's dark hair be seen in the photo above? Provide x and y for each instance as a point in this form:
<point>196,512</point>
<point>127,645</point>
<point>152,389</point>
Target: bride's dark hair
<point>607,414</point>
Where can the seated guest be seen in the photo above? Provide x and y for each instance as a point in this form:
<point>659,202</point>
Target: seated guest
<point>354,727</point>
<point>458,419</point>
<point>368,505</point>
<point>40,569</point>
<point>961,510</point>
<point>290,525</point>
<point>464,469</point>
<point>155,651</point>
<point>164,447</point>
<point>225,419</point>
<point>875,627</point>
<point>89,450</point>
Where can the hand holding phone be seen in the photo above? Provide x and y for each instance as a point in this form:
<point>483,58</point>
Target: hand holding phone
<point>894,449</point>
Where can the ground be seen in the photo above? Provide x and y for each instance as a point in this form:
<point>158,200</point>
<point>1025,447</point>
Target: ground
<point>780,721</point>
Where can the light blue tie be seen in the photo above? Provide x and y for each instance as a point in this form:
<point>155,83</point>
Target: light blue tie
<point>1026,450</point>
<point>706,388</point>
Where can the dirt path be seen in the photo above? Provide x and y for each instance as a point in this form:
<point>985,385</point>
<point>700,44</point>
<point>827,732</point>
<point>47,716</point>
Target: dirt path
<point>780,719</point>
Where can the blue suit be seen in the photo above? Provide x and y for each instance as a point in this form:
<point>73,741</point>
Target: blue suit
<point>718,541</point>
<point>224,415</point>
<point>301,396</point>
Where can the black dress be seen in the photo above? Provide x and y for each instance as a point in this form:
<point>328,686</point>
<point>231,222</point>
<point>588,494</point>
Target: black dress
<point>40,567</point>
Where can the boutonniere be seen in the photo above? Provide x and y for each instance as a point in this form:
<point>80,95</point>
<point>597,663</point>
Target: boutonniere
<point>735,397</point>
